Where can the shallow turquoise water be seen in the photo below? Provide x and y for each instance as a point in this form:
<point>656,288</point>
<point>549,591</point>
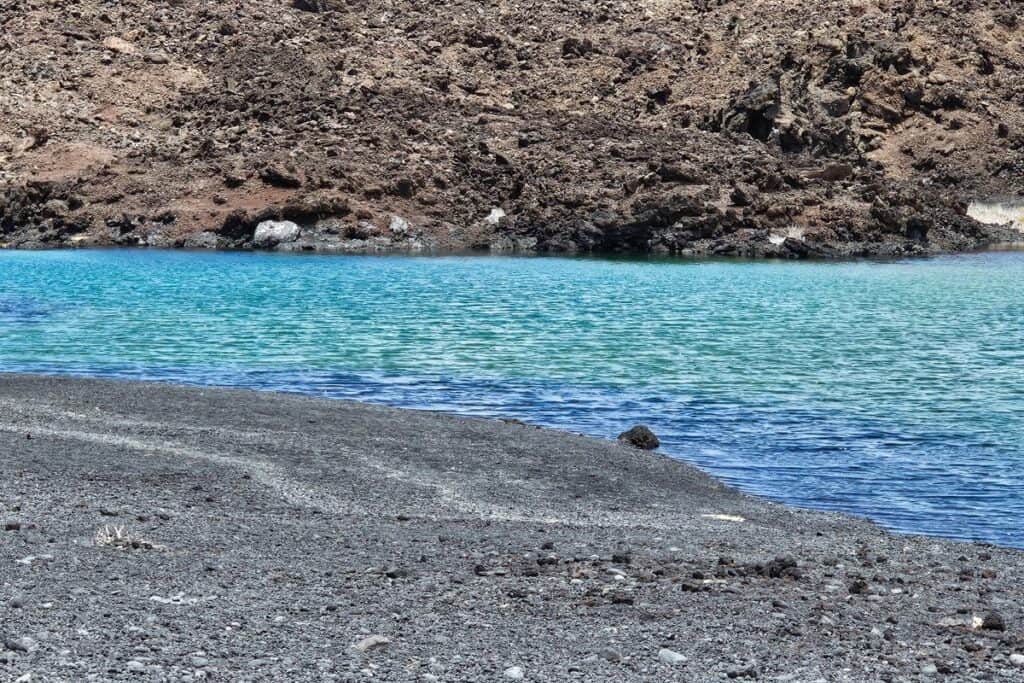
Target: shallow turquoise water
<point>892,390</point>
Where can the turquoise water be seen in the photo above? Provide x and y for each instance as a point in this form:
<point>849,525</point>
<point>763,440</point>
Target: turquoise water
<point>891,390</point>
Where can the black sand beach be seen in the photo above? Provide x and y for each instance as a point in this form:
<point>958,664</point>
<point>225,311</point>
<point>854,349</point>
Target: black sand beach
<point>159,533</point>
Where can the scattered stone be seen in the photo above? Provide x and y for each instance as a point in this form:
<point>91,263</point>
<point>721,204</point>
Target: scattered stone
<point>743,194</point>
<point>374,642</point>
<point>749,671</point>
<point>641,437</point>
<point>119,45</point>
<point>515,673</point>
<point>311,5</point>
<point>611,654</point>
<point>835,172</point>
<point>405,187</point>
<point>23,644</point>
<point>577,47</point>
<point>278,176</point>
<point>783,567</point>
<point>993,621</point>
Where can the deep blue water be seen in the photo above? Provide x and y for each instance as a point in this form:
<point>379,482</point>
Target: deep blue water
<point>892,390</point>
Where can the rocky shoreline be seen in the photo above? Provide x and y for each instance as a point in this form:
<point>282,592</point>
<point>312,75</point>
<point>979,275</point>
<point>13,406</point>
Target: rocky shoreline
<point>154,532</point>
<point>697,128</point>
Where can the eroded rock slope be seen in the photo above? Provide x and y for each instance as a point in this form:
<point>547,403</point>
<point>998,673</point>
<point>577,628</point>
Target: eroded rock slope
<point>768,127</point>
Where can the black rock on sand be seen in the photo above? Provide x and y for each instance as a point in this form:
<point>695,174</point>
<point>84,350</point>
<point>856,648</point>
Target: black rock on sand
<point>171,534</point>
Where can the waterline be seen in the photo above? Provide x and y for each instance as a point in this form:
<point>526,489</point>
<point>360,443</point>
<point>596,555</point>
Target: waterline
<point>891,390</point>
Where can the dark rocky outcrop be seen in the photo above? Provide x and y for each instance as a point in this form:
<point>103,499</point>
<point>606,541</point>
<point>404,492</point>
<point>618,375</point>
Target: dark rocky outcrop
<point>689,129</point>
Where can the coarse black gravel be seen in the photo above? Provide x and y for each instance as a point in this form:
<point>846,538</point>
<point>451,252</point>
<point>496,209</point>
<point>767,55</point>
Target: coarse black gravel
<point>158,533</point>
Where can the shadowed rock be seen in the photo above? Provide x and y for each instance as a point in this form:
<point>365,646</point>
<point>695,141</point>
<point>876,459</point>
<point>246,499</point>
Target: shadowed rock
<point>640,436</point>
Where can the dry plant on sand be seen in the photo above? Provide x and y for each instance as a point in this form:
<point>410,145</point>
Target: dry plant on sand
<point>118,537</point>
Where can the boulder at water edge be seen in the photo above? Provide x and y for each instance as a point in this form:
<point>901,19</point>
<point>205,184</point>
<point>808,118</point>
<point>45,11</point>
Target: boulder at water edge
<point>640,436</point>
<point>271,233</point>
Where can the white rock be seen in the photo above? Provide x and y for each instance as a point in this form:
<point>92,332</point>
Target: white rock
<point>670,656</point>
<point>398,225</point>
<point>115,44</point>
<point>27,644</point>
<point>495,216</point>
<point>272,233</point>
<point>515,673</point>
<point>1017,659</point>
<point>372,643</point>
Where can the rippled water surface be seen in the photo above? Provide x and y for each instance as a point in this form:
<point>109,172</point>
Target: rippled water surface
<point>893,390</point>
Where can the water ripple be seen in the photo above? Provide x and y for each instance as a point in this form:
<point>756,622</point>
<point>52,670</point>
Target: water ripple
<point>891,390</point>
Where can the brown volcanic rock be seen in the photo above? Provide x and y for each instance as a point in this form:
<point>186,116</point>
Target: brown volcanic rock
<point>849,127</point>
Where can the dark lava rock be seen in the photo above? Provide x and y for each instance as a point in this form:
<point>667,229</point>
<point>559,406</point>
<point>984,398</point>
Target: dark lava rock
<point>783,567</point>
<point>743,672</point>
<point>993,621</point>
<point>640,436</point>
<point>17,645</point>
<point>278,176</point>
<point>234,179</point>
<point>743,194</point>
<point>311,5</point>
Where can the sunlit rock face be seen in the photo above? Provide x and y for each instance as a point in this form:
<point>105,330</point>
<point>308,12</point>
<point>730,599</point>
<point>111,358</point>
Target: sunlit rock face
<point>998,212</point>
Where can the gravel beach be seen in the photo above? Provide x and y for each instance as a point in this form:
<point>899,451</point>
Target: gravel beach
<point>151,532</point>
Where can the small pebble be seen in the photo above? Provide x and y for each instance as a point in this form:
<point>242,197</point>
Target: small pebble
<point>372,643</point>
<point>611,654</point>
<point>24,644</point>
<point>515,673</point>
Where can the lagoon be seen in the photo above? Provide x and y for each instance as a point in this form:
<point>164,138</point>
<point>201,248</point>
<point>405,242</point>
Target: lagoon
<point>893,390</point>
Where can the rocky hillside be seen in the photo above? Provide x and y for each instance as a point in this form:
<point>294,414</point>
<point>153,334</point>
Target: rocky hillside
<point>766,127</point>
